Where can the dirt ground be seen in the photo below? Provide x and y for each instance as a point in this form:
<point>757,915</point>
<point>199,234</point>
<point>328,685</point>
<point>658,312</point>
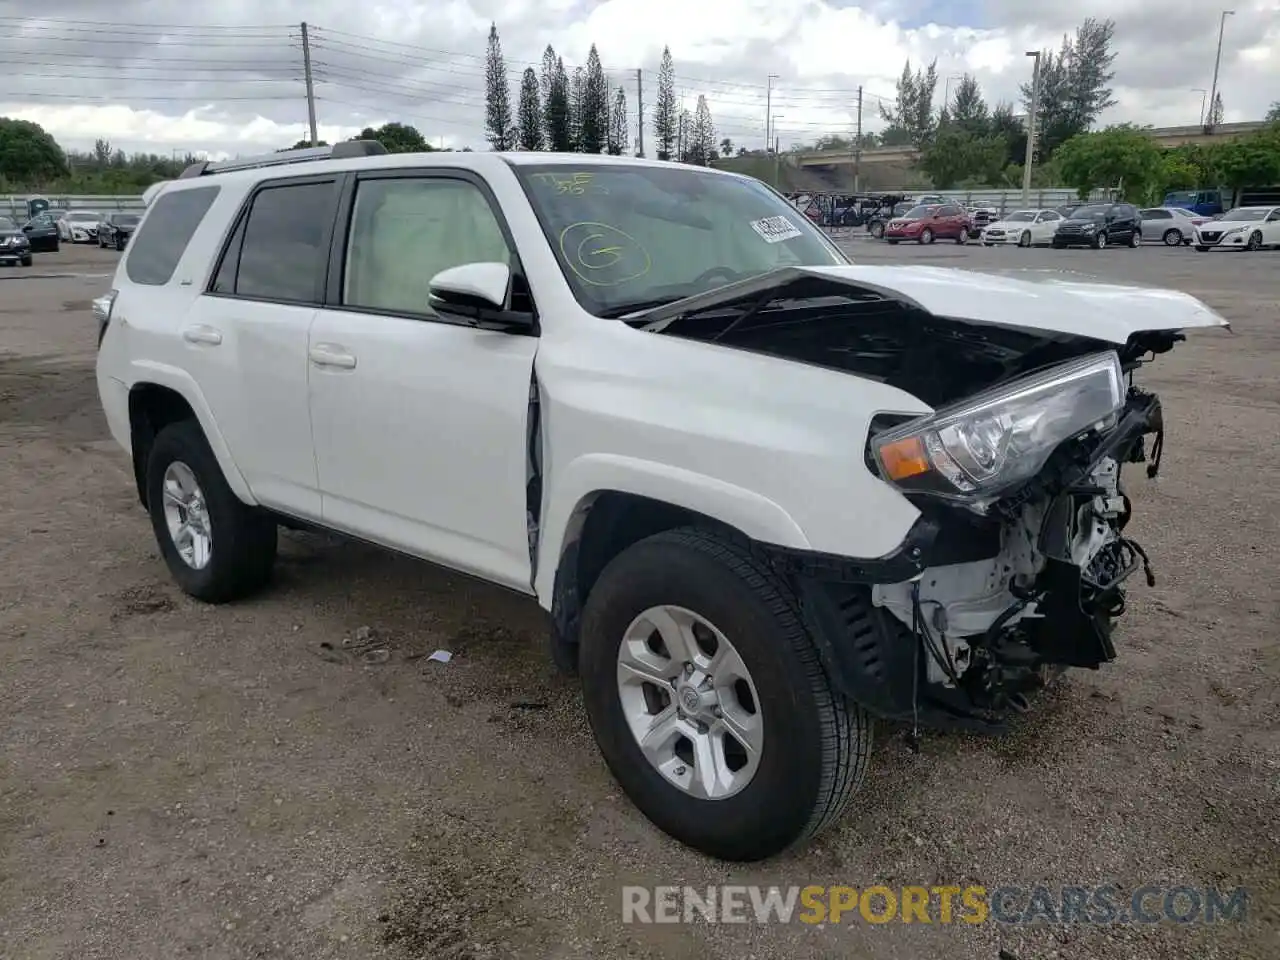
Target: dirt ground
<point>263,780</point>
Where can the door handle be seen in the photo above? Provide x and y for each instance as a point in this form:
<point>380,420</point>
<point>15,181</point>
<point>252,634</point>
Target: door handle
<point>202,333</point>
<point>332,355</point>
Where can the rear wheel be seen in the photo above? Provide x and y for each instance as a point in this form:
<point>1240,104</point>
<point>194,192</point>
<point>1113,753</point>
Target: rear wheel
<point>926,235</point>
<point>1172,237</point>
<point>217,548</point>
<point>877,230</point>
<point>708,700</point>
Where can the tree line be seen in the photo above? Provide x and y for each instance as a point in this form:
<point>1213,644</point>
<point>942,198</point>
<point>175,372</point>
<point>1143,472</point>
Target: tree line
<point>580,112</point>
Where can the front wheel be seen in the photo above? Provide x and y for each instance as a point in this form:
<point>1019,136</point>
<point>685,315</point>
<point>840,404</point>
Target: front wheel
<point>708,700</point>
<point>962,238</point>
<point>1255,241</point>
<point>217,548</point>
<point>27,261</point>
<point>1135,239</point>
<point>1100,241</point>
<point>1025,239</point>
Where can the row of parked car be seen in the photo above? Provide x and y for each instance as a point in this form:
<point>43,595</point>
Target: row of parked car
<point>47,231</point>
<point>1096,225</point>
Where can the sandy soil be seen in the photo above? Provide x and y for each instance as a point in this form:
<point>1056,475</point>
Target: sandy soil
<point>291,777</point>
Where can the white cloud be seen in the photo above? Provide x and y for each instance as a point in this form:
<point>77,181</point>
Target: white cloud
<point>422,64</point>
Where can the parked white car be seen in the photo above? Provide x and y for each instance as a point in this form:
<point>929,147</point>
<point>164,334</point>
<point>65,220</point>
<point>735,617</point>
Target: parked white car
<point>1026,228</point>
<point>79,226</point>
<point>765,495</point>
<point>1243,228</point>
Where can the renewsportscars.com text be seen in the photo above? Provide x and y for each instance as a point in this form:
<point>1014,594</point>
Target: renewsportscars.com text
<point>970,904</point>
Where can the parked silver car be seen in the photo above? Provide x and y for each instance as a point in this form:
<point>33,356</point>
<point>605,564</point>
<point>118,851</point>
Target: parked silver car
<point>1173,226</point>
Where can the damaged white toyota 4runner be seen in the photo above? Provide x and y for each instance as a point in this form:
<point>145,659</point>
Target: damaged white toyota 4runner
<point>764,494</point>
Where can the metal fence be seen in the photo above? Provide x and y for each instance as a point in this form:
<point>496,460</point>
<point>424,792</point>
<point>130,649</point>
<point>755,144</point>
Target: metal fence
<point>14,205</point>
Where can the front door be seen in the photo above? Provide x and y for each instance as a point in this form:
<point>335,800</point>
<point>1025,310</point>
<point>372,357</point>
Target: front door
<point>420,424</point>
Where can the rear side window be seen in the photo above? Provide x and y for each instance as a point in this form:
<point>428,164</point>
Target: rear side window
<point>280,250</point>
<point>154,253</point>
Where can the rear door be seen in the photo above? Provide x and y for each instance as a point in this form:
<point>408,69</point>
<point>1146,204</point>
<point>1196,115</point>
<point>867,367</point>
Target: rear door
<point>248,336</point>
<point>421,423</point>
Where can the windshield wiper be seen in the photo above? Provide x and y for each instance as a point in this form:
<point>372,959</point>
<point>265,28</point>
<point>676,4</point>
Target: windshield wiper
<point>622,311</point>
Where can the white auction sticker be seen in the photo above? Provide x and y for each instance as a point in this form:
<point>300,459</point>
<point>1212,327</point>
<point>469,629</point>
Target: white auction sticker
<point>775,229</point>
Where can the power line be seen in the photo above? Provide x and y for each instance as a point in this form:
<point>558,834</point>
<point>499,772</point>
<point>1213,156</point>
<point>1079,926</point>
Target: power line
<point>148,26</point>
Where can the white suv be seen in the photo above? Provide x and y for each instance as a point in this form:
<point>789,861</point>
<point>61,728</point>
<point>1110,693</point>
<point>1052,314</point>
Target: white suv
<point>764,494</point>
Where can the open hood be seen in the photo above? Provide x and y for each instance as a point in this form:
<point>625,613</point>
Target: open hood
<point>1051,302</point>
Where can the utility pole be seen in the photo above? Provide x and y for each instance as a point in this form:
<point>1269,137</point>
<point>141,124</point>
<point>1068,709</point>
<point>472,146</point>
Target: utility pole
<point>1217,62</point>
<point>777,153</point>
<point>639,112</point>
<point>1204,95</point>
<point>857,146</point>
<point>311,87</point>
<point>768,111</point>
<point>1031,129</point>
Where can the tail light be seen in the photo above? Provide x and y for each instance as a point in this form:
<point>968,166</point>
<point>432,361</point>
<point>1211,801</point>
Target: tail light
<point>102,307</point>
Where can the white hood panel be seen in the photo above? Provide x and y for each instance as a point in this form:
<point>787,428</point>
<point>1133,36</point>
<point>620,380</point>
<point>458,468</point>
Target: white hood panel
<point>1048,301</point>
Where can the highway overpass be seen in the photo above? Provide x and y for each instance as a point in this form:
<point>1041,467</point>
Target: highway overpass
<point>1165,136</point>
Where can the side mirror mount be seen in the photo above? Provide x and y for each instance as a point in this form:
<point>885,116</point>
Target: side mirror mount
<point>477,294</point>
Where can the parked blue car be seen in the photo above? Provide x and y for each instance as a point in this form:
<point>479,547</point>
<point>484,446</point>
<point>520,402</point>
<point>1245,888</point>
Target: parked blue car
<point>1206,203</point>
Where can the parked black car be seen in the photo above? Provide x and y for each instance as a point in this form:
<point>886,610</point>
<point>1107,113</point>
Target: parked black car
<point>887,207</point>
<point>115,229</point>
<point>14,245</point>
<point>42,232</point>
<point>1100,225</point>
<point>979,217</point>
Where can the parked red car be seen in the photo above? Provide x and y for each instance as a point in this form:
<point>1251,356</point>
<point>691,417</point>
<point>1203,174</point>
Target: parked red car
<point>929,222</point>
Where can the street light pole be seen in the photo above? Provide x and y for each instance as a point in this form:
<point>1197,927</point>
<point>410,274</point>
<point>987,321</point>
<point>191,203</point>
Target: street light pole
<point>1031,129</point>
<point>946,92</point>
<point>1217,62</point>
<point>768,113</point>
<point>1203,97</point>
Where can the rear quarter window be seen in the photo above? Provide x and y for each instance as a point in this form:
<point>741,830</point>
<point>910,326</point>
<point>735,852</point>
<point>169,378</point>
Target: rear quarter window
<point>165,232</point>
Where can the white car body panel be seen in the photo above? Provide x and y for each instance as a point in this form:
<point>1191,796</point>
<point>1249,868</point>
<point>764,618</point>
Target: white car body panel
<point>421,444</point>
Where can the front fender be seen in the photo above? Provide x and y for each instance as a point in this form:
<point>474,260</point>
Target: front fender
<point>754,515</point>
<point>182,383</point>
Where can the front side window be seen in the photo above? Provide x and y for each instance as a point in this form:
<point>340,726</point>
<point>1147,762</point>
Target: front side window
<point>284,249</point>
<point>171,222</point>
<point>631,236</point>
<point>405,231</point>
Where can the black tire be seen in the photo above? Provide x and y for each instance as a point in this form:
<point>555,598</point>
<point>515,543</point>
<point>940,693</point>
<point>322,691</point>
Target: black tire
<point>892,243</point>
<point>1135,239</point>
<point>1255,241</point>
<point>817,744</point>
<point>926,236</point>
<point>244,539</point>
<point>876,229</point>
<point>1100,240</point>
<point>27,261</point>
<point>1172,237</point>
<point>1025,239</point>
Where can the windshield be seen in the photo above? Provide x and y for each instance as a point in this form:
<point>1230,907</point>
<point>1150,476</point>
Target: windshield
<point>1022,216</point>
<point>919,213</point>
<point>630,237</point>
<point>1246,213</point>
<point>1094,211</point>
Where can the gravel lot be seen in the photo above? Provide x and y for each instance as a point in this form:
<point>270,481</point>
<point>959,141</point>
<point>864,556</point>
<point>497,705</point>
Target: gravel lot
<point>260,781</point>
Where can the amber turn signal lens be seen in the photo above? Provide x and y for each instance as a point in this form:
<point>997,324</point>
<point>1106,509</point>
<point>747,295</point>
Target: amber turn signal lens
<point>904,458</point>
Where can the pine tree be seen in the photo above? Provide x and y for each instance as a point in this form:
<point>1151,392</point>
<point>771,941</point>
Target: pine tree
<point>577,90</point>
<point>1074,85</point>
<point>529,112</point>
<point>665,116</point>
<point>684,142</point>
<point>969,111</point>
<point>556,110</point>
<point>593,127</point>
<point>619,136</point>
<point>546,79</point>
<point>497,96</point>
<point>702,135</point>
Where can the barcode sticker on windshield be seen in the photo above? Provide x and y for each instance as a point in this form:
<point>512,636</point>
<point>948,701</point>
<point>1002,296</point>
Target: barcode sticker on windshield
<point>775,229</point>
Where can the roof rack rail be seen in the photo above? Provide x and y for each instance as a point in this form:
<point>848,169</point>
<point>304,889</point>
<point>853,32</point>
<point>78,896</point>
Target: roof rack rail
<point>339,151</point>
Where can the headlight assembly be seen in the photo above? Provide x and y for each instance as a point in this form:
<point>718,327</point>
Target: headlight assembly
<point>983,446</point>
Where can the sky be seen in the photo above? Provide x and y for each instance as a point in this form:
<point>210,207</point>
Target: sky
<point>164,76</point>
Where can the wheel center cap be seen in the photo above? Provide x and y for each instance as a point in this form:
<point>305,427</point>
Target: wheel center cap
<point>689,699</point>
